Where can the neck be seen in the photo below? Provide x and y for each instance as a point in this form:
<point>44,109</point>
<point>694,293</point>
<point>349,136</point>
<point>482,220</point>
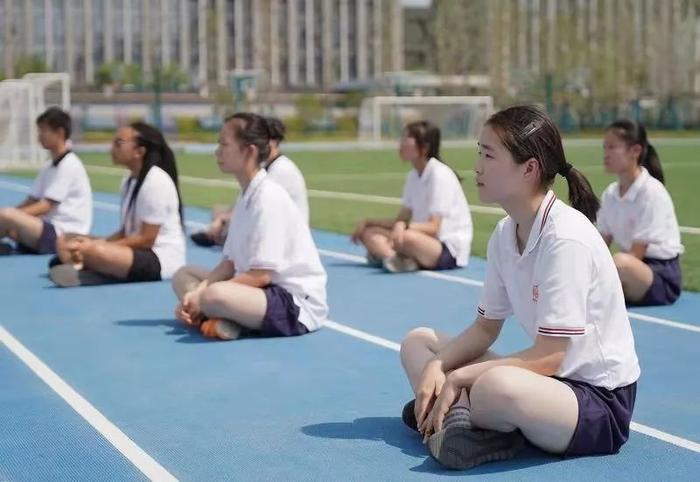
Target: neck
<point>523,212</point>
<point>627,178</point>
<point>135,168</point>
<point>420,165</point>
<point>58,150</point>
<point>244,178</point>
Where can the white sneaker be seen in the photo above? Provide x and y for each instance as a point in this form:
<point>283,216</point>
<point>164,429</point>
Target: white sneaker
<point>400,264</point>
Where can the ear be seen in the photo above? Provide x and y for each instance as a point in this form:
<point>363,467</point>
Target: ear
<point>141,151</point>
<point>636,151</point>
<point>531,169</point>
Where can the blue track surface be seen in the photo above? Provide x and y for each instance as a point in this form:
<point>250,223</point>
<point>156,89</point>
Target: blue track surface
<point>319,407</point>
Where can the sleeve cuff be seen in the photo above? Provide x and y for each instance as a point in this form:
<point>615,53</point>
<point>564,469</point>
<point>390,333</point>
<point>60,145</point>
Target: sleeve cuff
<point>561,331</point>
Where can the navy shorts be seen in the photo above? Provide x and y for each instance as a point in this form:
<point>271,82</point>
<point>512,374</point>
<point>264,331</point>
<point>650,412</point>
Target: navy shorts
<point>603,418</point>
<point>446,260</point>
<point>282,314</point>
<point>666,286</point>
<point>46,243</point>
<point>145,267</point>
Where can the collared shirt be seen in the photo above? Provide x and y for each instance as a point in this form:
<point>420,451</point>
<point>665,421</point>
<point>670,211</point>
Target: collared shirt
<point>65,182</point>
<point>268,232</point>
<point>645,214</point>
<point>563,284</point>
<point>285,173</point>
<point>437,191</point>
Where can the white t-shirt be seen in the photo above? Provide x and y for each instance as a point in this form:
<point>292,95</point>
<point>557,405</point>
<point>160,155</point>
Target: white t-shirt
<point>564,284</point>
<point>67,184</point>
<point>644,214</point>
<point>437,191</point>
<point>285,173</point>
<point>268,232</point>
<point>156,203</point>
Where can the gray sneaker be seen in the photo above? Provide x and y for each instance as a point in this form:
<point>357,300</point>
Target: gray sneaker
<point>373,261</point>
<point>400,264</point>
<point>66,276</point>
<point>459,447</point>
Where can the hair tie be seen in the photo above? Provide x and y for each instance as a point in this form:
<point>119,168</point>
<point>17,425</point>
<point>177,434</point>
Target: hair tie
<point>566,169</point>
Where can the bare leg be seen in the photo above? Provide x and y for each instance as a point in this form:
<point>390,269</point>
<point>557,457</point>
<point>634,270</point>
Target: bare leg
<point>20,226</point>
<point>421,247</point>
<point>187,278</point>
<point>108,258</point>
<point>545,410</point>
<point>378,242</point>
<point>242,304</point>
<point>635,275</point>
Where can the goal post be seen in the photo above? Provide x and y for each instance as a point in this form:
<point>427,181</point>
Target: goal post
<point>458,117</point>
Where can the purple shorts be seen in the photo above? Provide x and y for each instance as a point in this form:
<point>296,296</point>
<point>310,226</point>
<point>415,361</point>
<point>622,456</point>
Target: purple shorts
<point>603,418</point>
<point>282,314</point>
<point>46,243</point>
<point>666,286</point>
<point>446,260</point>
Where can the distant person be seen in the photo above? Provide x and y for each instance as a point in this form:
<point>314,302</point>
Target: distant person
<point>60,200</point>
<point>433,229</point>
<point>280,169</point>
<point>637,213</point>
<point>150,243</point>
<point>270,280</point>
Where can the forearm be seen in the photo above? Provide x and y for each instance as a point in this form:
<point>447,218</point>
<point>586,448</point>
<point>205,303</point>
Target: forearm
<point>135,241</point>
<point>254,278</point>
<point>116,236</point>
<point>428,228</point>
<point>466,347</point>
<point>532,359</point>
<point>38,208</point>
<point>380,223</point>
<point>224,271</point>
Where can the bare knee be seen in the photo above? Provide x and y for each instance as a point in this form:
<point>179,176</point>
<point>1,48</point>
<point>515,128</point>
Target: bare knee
<point>7,215</point>
<point>416,339</point>
<point>497,387</point>
<point>624,262</point>
<point>214,297</point>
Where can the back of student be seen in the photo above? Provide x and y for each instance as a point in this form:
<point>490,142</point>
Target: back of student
<point>285,173</point>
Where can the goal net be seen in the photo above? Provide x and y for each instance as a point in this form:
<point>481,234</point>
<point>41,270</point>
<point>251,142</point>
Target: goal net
<point>21,102</point>
<point>458,117</point>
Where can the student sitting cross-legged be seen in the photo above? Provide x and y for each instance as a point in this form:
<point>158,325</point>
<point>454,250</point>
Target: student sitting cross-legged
<point>270,280</point>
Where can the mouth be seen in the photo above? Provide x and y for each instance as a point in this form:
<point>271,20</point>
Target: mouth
<point>479,184</point>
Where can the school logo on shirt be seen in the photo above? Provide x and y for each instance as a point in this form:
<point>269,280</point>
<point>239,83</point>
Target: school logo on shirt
<point>535,292</point>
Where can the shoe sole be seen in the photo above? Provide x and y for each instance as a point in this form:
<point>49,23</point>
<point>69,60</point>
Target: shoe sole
<point>66,276</point>
<point>461,448</point>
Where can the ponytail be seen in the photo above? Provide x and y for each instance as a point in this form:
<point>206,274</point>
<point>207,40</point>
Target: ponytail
<point>581,195</point>
<point>633,133</point>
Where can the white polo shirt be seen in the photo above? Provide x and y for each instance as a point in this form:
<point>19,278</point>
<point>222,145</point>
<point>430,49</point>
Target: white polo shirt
<point>285,173</point>
<point>66,182</point>
<point>156,203</point>
<point>268,232</point>
<point>644,214</point>
<point>564,284</point>
<point>437,191</point>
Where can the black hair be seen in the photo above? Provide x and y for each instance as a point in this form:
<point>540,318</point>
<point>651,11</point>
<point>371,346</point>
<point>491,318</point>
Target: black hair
<point>277,129</point>
<point>56,119</point>
<point>528,133</point>
<point>253,130</point>
<point>633,133</point>
<point>427,136</point>
<point>158,153</point>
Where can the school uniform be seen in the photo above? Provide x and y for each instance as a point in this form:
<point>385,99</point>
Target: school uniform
<point>565,284</point>
<point>156,203</point>
<point>268,232</point>
<point>285,173</point>
<point>64,181</point>
<point>437,191</point>
<point>645,214</point>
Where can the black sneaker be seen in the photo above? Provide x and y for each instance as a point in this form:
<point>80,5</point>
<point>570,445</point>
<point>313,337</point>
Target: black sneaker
<point>409,415</point>
<point>458,447</point>
<point>54,261</point>
<point>202,238</point>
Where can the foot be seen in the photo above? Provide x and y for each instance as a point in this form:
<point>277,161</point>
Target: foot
<point>221,329</point>
<point>400,264</point>
<point>202,238</point>
<point>373,261</point>
<point>66,276</point>
<point>6,249</point>
<point>458,446</point>
<point>409,415</point>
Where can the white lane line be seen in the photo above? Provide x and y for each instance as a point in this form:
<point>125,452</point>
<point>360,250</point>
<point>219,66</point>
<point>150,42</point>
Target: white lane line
<point>427,274</point>
<point>135,454</point>
<point>637,427</point>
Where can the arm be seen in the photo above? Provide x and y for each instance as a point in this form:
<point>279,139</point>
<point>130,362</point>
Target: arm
<point>257,278</point>
<point>638,249</point>
<point>431,227</point>
<point>403,216</point>
<point>116,236</point>
<point>469,345</point>
<point>608,239</point>
<point>36,207</point>
<point>144,239</point>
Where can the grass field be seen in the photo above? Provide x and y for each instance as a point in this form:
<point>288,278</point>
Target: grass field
<point>381,173</point>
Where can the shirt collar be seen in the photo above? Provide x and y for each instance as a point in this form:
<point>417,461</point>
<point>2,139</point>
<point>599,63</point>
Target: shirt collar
<point>253,186</point>
<point>538,225</point>
<point>636,186</point>
<point>56,161</point>
<point>430,165</point>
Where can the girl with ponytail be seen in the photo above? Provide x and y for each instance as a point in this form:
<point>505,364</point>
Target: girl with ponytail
<point>572,391</point>
<point>270,279</point>
<point>637,213</point>
<point>150,244</point>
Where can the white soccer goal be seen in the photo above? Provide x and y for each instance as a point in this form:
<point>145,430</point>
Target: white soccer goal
<point>21,101</point>
<point>459,117</point>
